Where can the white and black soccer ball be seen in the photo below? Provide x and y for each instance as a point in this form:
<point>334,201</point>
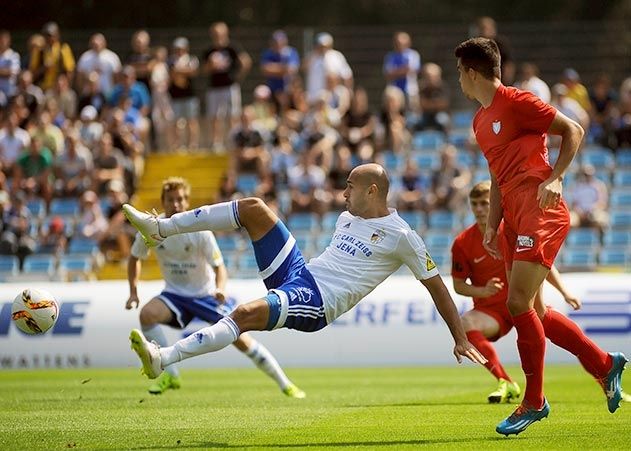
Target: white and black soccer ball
<point>34,311</point>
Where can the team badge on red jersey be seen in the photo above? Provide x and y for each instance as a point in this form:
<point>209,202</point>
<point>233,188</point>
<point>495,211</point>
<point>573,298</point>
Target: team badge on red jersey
<point>497,126</point>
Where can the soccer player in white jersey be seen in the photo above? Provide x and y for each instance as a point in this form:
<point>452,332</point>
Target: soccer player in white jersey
<point>195,276</point>
<point>370,242</point>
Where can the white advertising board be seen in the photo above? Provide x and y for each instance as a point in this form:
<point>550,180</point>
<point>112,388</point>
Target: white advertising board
<point>396,324</point>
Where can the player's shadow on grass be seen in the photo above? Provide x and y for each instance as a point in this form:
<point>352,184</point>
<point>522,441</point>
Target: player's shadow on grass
<point>207,445</point>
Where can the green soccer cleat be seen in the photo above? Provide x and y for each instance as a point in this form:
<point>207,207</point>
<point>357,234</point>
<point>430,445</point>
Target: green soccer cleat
<point>294,392</point>
<point>506,391</point>
<point>165,382</point>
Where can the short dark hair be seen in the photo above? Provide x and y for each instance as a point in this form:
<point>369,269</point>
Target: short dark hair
<point>480,54</point>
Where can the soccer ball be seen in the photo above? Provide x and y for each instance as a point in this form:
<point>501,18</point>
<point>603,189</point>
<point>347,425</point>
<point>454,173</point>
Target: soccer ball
<point>34,311</point>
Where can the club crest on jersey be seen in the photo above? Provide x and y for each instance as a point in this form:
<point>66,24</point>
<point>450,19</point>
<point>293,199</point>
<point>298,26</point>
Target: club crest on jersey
<point>525,241</point>
<point>430,263</point>
<point>497,126</point>
<point>377,236</point>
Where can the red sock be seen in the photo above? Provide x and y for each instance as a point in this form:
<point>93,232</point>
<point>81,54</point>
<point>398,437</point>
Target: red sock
<point>564,332</point>
<point>531,343</point>
<point>477,339</point>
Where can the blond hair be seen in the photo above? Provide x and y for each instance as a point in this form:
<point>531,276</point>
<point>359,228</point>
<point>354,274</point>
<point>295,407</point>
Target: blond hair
<point>173,184</point>
<point>480,189</point>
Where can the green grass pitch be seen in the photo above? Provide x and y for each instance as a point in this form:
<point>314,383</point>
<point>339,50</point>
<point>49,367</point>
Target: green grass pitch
<point>352,408</point>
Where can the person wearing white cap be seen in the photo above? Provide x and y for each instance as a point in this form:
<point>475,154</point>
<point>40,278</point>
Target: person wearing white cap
<point>183,67</point>
<point>326,63</point>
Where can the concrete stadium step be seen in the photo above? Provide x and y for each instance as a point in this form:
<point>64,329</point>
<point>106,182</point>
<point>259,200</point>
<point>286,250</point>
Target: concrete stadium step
<point>203,170</point>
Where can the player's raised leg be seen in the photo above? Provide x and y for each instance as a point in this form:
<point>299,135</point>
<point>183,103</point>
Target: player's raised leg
<point>266,362</point>
<point>479,327</point>
<point>250,213</point>
<point>524,280</point>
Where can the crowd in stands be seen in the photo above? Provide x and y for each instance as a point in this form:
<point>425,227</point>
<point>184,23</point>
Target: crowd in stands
<point>76,129</point>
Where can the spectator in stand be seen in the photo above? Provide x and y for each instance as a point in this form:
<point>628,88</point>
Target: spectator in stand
<point>50,135</point>
<point>116,239</point>
<point>588,200</point>
<point>358,128</point>
<point>604,110</point>
<point>434,99</point>
<point>92,94</point>
<point>140,99</point>
<point>568,106</point>
<point>449,183</point>
<point>283,156</point>
<point>401,67</point>
<point>162,114</point>
<point>34,44</point>
<point>183,68</point>
<point>280,64</point>
<point>575,89</point>
<point>325,65</point>
<point>13,141</point>
<point>92,224</point>
<point>99,59</point>
<point>16,238</point>
<point>414,186</point>
<point>33,169</point>
<point>90,128</point>
<point>264,106</point>
<point>55,58</point>
<point>396,136</point>
<point>109,164</point>
<point>487,28</point>
<point>73,168</point>
<point>33,95</point>
<point>307,185</point>
<point>336,180</point>
<point>320,131</point>
<point>52,238</point>
<point>623,124</point>
<point>226,65</point>
<point>9,68</point>
<point>249,154</point>
<point>140,57</point>
<point>65,97</point>
<point>228,187</point>
<point>530,81</point>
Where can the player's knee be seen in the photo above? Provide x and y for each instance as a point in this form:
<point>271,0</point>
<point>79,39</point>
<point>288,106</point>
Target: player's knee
<point>148,316</point>
<point>253,210</point>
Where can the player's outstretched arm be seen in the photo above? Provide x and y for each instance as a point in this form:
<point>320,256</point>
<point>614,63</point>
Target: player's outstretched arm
<point>133,274</point>
<point>447,309</point>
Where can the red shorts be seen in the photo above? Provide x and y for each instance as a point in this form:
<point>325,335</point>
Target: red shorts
<point>503,318</point>
<point>531,234</point>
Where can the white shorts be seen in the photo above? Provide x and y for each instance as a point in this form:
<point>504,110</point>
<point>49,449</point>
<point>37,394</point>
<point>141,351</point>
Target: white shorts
<point>224,102</point>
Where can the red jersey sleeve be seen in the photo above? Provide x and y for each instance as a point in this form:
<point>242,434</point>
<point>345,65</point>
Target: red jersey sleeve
<point>460,267</point>
<point>532,112</point>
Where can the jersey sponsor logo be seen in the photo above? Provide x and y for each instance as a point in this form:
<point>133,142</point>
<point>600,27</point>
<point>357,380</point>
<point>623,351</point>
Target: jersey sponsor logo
<point>377,236</point>
<point>479,259</point>
<point>304,294</point>
<point>525,241</point>
<point>497,126</point>
<point>430,263</point>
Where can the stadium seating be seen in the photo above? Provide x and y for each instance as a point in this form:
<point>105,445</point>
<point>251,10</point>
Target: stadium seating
<point>428,140</point>
<point>83,246</point>
<point>462,119</point>
<point>599,157</point>
<point>622,178</point>
<point>443,220</point>
<point>618,238</point>
<point>37,208</point>
<point>303,221</point>
<point>581,258</point>
<point>438,241</point>
<point>583,238</point>
<point>329,220</point>
<point>39,266</point>
<point>620,198</point>
<point>426,160</point>
<point>623,158</point>
<point>413,218</point>
<point>615,256</point>
<point>75,267</point>
<point>247,183</point>
<point>229,243</point>
<point>66,207</point>
<point>620,219</point>
<point>9,266</point>
<point>442,260</point>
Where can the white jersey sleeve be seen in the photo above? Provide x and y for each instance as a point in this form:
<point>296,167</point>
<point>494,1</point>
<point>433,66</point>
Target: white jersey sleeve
<point>139,249</point>
<point>211,249</point>
<point>413,253</point>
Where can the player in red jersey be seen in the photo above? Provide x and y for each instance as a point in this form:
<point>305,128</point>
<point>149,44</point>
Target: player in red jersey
<point>526,191</point>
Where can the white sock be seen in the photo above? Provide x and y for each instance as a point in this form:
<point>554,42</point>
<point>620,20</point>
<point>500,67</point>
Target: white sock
<point>216,218</point>
<point>208,339</point>
<point>266,362</point>
<point>155,333</point>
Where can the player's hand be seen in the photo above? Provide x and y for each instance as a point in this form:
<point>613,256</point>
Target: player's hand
<point>220,295</point>
<point>493,286</point>
<point>573,301</point>
<point>490,244</point>
<point>549,193</point>
<point>132,302</point>
<point>466,349</point>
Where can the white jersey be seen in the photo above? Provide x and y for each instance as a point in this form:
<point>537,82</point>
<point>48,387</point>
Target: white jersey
<point>362,254</point>
<point>186,262</point>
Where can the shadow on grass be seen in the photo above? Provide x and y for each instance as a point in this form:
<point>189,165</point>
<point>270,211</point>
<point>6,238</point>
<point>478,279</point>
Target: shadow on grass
<point>207,445</point>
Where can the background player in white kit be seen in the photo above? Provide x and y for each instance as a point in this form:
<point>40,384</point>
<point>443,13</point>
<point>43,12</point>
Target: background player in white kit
<point>195,276</point>
<point>370,243</point>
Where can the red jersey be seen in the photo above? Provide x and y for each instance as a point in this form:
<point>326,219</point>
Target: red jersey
<point>469,260</point>
<point>511,133</point>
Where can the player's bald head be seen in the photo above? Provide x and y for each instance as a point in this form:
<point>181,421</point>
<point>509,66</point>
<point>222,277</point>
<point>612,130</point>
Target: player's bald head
<point>372,173</point>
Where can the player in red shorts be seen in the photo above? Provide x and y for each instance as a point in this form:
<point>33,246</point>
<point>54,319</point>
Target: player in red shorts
<point>526,191</point>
